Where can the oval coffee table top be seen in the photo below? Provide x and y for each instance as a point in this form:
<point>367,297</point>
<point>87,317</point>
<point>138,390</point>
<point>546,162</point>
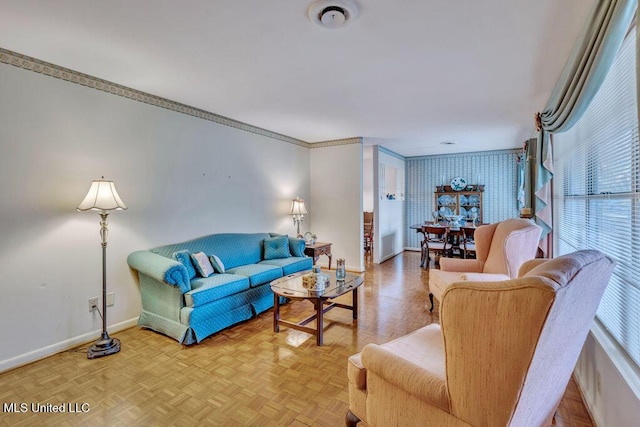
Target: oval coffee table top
<point>291,286</point>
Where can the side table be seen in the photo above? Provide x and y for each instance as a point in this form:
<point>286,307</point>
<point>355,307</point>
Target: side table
<point>317,249</point>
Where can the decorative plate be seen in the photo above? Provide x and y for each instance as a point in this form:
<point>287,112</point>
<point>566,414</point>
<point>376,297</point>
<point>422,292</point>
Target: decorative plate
<point>458,184</point>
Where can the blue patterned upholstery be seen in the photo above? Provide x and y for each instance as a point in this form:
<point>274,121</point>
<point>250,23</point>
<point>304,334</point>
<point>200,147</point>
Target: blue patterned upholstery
<point>291,264</point>
<point>214,287</point>
<point>190,309</point>
<point>296,247</point>
<point>258,273</point>
<point>276,247</point>
<point>233,249</point>
<point>184,258</point>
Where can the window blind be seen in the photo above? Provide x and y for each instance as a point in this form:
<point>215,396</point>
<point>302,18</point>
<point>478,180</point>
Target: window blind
<point>598,199</point>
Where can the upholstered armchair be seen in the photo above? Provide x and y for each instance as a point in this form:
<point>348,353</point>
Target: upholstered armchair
<point>502,355</point>
<point>501,248</point>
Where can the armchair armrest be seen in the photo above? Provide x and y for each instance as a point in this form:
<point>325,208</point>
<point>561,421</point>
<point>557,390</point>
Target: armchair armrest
<point>415,380</point>
<point>483,277</point>
<point>461,265</point>
<point>161,268</point>
<point>530,265</point>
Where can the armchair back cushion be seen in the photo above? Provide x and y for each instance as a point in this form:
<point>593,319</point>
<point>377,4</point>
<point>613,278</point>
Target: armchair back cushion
<point>510,243</point>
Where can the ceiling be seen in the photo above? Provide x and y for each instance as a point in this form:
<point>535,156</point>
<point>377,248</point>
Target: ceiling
<point>405,74</point>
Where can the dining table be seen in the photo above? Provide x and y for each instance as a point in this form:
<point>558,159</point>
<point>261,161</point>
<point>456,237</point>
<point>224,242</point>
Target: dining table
<point>454,234</point>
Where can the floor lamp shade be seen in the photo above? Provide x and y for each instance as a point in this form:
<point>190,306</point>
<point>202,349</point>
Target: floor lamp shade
<point>103,197</point>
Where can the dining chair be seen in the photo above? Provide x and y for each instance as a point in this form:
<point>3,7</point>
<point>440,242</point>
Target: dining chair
<point>456,238</point>
<point>436,241</point>
<point>468,242</point>
<point>368,231</point>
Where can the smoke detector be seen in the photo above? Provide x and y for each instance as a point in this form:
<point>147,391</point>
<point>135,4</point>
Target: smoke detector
<point>332,13</point>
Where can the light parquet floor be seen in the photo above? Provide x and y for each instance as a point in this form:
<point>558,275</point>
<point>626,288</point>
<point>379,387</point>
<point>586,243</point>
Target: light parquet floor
<point>246,375</point>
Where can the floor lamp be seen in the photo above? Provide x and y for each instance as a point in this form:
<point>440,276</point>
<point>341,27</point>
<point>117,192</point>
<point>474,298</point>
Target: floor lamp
<point>103,197</point>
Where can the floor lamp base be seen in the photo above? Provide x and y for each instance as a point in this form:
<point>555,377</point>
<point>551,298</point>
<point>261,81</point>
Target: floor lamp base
<point>103,347</point>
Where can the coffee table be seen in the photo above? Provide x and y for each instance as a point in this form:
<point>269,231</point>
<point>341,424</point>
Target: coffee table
<point>291,287</point>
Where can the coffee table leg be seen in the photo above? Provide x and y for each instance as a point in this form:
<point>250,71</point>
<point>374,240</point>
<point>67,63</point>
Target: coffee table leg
<point>355,303</point>
<point>276,312</point>
<point>319,320</point>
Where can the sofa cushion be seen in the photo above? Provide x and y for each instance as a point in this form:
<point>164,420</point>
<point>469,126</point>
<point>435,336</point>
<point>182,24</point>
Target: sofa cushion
<point>276,247</point>
<point>214,287</point>
<point>202,264</point>
<point>292,264</point>
<point>184,258</point>
<point>258,274</point>
<point>218,266</point>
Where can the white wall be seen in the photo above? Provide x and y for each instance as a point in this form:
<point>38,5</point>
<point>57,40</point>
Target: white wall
<point>180,176</point>
<point>609,381</point>
<point>367,178</point>
<point>336,202</point>
<point>389,214</point>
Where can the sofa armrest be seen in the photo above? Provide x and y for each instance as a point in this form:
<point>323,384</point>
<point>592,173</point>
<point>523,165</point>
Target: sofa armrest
<point>461,265</point>
<point>296,247</point>
<point>405,375</point>
<point>161,268</point>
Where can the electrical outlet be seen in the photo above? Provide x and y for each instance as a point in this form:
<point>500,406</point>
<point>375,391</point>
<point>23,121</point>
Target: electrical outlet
<point>111,298</point>
<point>93,303</point>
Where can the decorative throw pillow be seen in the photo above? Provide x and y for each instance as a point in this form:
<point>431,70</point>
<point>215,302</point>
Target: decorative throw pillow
<point>202,264</point>
<point>184,258</point>
<point>218,266</point>
<point>276,247</point>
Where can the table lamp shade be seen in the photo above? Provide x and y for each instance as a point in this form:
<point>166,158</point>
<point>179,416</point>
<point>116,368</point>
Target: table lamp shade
<point>102,196</point>
<point>297,207</point>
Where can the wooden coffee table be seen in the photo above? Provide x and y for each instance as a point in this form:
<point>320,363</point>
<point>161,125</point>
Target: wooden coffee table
<point>291,287</point>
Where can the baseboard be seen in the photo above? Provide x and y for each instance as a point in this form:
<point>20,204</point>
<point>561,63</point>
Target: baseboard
<point>588,402</point>
<point>50,350</point>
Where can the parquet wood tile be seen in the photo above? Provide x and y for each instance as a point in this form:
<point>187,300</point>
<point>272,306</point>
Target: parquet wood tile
<point>246,375</point>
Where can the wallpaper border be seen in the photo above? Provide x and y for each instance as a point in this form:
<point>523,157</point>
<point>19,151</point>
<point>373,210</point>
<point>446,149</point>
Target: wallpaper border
<point>336,142</point>
<point>32,64</point>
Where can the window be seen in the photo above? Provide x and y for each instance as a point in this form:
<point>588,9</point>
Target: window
<point>597,196</point>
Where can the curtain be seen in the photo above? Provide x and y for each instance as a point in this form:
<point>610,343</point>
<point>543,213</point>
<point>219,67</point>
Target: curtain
<point>581,78</point>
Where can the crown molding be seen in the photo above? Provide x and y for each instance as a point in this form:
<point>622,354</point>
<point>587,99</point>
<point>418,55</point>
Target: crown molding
<point>72,76</point>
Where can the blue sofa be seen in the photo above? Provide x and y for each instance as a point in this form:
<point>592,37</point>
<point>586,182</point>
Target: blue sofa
<point>177,301</point>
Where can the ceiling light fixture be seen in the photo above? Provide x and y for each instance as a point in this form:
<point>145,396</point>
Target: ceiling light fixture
<point>332,13</point>
<point>449,142</point>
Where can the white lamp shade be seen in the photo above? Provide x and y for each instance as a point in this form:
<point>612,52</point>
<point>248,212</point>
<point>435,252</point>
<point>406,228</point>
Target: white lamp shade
<point>102,196</point>
<point>297,207</point>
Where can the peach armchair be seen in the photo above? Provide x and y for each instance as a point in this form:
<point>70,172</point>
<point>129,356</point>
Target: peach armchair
<point>501,248</point>
<point>502,355</point>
